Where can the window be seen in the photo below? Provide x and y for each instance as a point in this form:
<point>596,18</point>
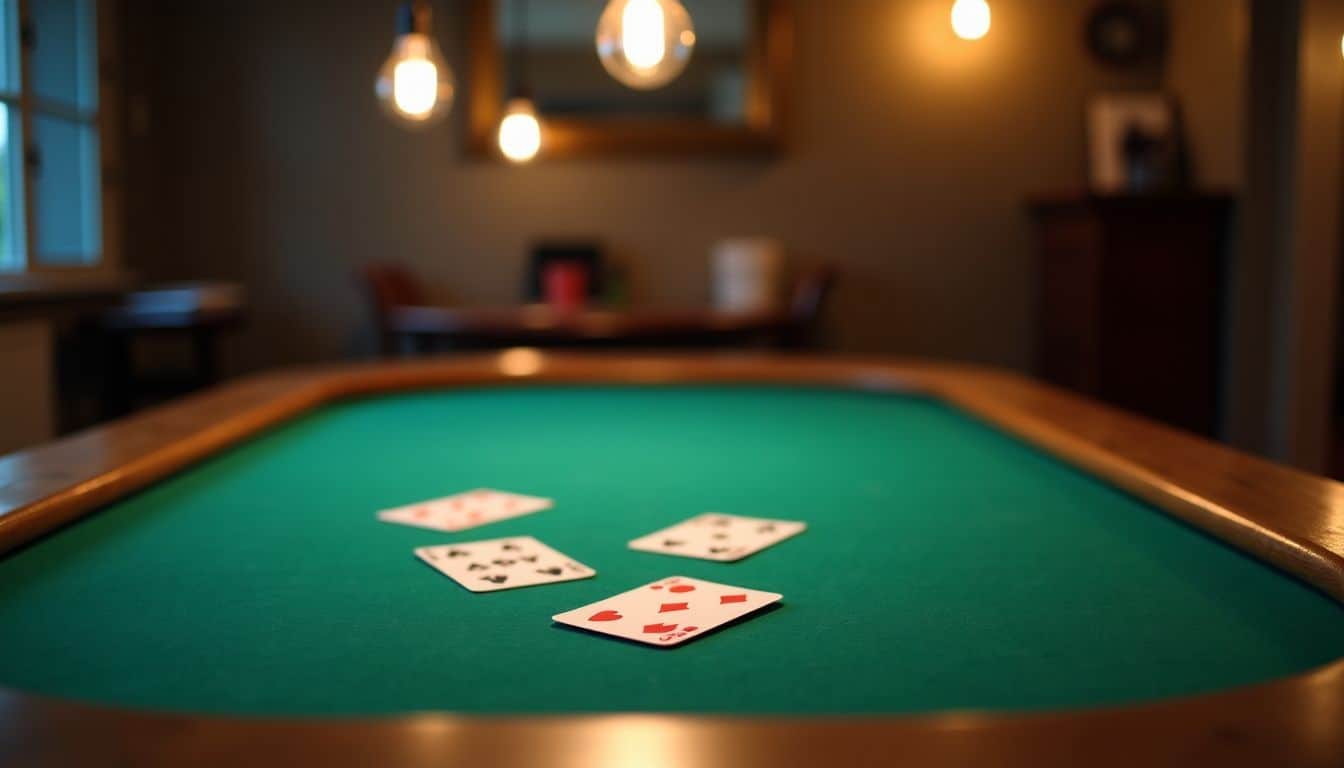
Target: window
<point>50,187</point>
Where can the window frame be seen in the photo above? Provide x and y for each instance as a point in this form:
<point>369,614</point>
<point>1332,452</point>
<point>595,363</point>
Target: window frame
<point>106,261</point>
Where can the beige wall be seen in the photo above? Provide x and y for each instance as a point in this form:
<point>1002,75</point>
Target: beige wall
<point>1312,339</point>
<point>1206,70</point>
<point>263,157</point>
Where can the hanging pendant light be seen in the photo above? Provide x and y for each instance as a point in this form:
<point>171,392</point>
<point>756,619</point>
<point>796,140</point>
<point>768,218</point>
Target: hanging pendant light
<point>645,44</point>
<point>415,85</point>
<point>520,130</point>
<point>970,19</point>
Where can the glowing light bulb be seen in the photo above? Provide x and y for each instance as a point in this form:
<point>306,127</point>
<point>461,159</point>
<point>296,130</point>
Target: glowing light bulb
<point>415,85</point>
<point>645,44</point>
<point>970,19</point>
<point>520,131</point>
<point>642,31</point>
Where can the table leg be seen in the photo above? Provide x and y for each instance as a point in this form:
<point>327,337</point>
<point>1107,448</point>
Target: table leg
<point>117,375</point>
<point>205,351</point>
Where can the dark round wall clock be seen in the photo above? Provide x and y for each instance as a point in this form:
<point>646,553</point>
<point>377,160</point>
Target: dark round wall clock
<point>1125,34</point>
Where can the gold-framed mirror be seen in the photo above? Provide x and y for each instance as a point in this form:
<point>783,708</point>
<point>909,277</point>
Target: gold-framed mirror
<point>729,100</point>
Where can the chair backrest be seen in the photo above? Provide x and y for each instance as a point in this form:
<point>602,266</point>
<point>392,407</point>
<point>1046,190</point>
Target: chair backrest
<point>389,285</point>
<point>588,254</point>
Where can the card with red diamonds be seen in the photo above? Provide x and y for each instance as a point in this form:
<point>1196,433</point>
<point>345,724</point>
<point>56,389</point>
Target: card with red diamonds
<point>669,611</point>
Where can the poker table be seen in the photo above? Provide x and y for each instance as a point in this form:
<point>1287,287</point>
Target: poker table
<point>993,571</point>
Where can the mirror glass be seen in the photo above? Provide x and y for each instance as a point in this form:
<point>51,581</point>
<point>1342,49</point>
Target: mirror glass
<point>548,46</point>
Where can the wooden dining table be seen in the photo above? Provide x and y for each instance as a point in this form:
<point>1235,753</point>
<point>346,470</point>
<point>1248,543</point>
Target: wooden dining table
<point>427,328</point>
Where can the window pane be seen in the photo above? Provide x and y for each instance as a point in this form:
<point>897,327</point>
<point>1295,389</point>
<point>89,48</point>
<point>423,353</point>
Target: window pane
<point>65,192</point>
<point>11,193</point>
<point>64,52</point>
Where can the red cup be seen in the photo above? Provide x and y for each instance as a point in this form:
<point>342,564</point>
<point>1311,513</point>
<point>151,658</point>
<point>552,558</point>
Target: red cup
<point>566,285</point>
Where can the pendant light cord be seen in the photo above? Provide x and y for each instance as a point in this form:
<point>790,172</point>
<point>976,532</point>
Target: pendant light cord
<point>520,86</point>
<point>421,16</point>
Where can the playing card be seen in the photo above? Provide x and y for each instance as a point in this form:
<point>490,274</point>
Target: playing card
<point>669,611</point>
<point>465,510</point>
<point>718,537</point>
<point>488,566</point>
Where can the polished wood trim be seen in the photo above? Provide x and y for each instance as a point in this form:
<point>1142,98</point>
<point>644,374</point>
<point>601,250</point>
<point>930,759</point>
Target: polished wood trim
<point>770,57</point>
<point>98,466</point>
<point>1288,723</point>
<point>1288,518</point>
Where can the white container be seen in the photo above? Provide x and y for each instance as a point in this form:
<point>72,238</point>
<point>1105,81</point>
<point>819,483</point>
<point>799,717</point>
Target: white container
<point>747,274</point>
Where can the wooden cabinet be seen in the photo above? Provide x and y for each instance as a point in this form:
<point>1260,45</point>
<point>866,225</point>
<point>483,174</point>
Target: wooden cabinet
<point>1131,301</point>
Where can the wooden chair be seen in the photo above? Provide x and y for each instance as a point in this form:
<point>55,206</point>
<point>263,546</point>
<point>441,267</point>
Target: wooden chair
<point>386,287</point>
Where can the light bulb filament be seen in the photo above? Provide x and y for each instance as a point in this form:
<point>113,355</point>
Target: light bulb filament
<point>642,33</point>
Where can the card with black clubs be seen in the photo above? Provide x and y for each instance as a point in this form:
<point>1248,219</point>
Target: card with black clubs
<point>718,537</point>
<point>489,566</point>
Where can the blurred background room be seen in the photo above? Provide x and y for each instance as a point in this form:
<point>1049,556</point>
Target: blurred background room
<point>1134,199</point>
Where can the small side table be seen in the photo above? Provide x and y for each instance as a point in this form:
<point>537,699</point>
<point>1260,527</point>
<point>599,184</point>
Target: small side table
<point>126,389</point>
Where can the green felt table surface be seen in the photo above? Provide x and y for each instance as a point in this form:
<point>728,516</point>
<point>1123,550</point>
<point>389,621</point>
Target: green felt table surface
<point>945,565</point>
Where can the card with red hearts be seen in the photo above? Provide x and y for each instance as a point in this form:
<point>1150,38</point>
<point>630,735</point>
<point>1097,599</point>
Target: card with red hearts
<point>465,510</point>
<point>669,611</point>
